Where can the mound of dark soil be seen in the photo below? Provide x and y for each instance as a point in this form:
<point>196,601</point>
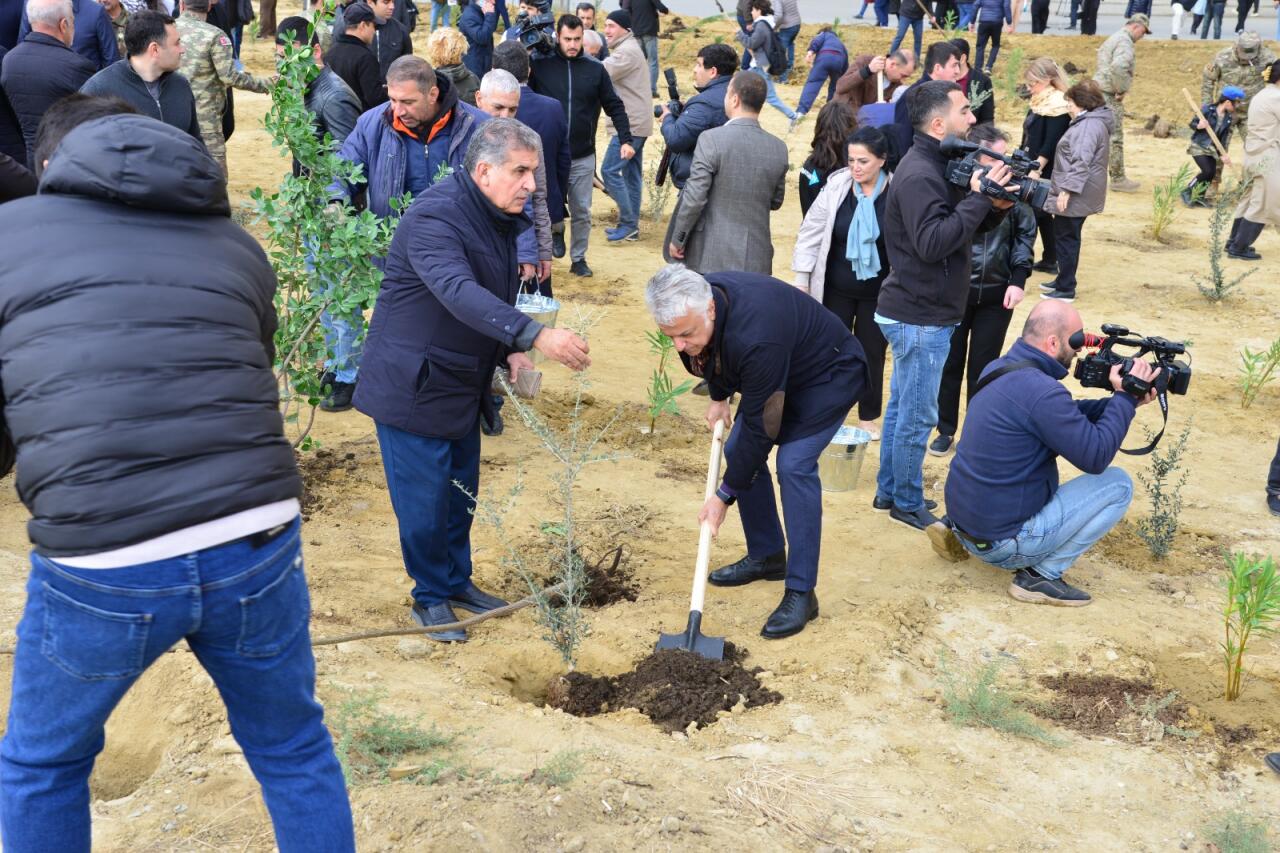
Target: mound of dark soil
<point>673,688</point>
<point>1106,704</point>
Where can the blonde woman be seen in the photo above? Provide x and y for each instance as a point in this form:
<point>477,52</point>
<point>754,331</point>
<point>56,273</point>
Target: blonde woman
<point>445,49</point>
<point>1047,119</point>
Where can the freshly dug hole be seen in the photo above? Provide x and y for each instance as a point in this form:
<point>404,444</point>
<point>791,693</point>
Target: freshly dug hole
<point>673,688</point>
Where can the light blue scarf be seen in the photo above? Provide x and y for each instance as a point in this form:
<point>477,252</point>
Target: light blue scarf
<point>864,230</point>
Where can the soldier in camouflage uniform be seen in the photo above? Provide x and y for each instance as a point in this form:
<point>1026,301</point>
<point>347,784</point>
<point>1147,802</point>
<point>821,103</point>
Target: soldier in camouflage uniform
<point>1115,75</point>
<point>1242,64</point>
<point>209,66</point>
<point>119,16</point>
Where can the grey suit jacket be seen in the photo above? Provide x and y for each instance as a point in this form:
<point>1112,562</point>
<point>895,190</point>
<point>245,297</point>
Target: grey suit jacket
<point>722,217</point>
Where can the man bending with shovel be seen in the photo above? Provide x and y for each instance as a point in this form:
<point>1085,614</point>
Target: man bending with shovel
<point>799,371</point>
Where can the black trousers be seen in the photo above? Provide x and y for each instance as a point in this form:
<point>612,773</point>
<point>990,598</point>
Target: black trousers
<point>1048,247</point>
<point>859,315</point>
<point>988,32</point>
<point>1243,8</point>
<point>1066,237</point>
<point>1208,167</point>
<point>1089,17</point>
<point>1273,479</point>
<point>980,336</point>
<point>1039,16</point>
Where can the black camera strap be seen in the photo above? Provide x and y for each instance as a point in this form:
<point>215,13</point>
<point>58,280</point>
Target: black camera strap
<point>1001,371</point>
<point>1163,399</point>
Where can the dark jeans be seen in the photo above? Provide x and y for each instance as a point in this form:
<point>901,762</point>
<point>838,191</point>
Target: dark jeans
<point>1214,17</point>
<point>860,316</point>
<point>1243,8</point>
<point>988,31</point>
<point>1066,236</point>
<point>882,13</point>
<point>1134,7</point>
<point>1039,16</point>
<point>1048,248</point>
<point>788,36</point>
<point>1089,17</point>
<point>917,33</point>
<point>797,463</point>
<point>433,513</point>
<point>1273,478</point>
<point>827,68</point>
<point>981,332</point>
<point>86,636</point>
<point>1208,171</point>
<point>1075,13</point>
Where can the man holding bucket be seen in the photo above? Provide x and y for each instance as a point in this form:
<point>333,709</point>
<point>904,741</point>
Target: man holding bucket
<point>443,320</point>
<point>799,371</point>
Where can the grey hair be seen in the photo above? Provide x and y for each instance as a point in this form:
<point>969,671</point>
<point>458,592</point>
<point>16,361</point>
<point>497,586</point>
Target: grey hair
<point>412,69</point>
<point>49,12</point>
<point>592,39</point>
<point>675,291</point>
<point>499,82</point>
<point>496,138</point>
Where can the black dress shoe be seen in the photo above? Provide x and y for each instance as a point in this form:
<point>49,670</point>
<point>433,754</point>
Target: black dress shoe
<point>492,428</point>
<point>339,399</point>
<point>439,614</point>
<point>746,570</point>
<point>1045,266</point>
<point>886,504</point>
<point>1273,504</point>
<point>557,244</point>
<point>796,610</point>
<point>476,600</point>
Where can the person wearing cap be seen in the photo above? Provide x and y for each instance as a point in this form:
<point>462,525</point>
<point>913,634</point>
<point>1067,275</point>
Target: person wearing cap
<point>629,71</point>
<point>1116,65</point>
<point>1218,116</point>
<point>1243,64</point>
<point>351,58</point>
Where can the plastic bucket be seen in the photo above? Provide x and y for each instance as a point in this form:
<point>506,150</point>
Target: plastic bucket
<point>841,463</point>
<point>544,309</point>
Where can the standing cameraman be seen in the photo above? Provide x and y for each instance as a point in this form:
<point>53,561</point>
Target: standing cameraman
<point>929,227</point>
<point>712,69</point>
<point>1003,498</point>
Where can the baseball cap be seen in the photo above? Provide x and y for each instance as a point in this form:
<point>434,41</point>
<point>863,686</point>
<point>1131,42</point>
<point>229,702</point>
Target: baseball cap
<point>1140,19</point>
<point>358,13</point>
<point>1232,93</point>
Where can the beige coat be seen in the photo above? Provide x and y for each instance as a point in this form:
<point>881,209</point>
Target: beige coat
<point>813,243</point>
<point>1262,159</point>
<point>629,71</point>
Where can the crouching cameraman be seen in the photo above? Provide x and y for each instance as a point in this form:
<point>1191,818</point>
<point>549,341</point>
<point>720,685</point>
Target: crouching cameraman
<point>1004,503</point>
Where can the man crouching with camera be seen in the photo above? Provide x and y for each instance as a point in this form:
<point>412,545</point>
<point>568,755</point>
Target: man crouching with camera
<point>1004,503</point>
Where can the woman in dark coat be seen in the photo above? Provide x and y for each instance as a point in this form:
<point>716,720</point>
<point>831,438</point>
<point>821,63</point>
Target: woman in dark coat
<point>836,121</point>
<point>1047,119</point>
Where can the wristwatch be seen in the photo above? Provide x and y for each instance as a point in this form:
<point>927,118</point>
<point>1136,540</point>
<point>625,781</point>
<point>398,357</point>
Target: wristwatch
<point>724,495</point>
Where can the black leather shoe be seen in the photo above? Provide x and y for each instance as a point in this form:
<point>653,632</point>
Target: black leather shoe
<point>1273,504</point>
<point>1045,266</point>
<point>476,600</point>
<point>439,614</point>
<point>494,428</point>
<point>580,268</point>
<point>1248,253</point>
<point>339,399</point>
<point>746,570</point>
<point>796,610</point>
<point>557,244</point>
<point>886,504</point>
<point>920,519</point>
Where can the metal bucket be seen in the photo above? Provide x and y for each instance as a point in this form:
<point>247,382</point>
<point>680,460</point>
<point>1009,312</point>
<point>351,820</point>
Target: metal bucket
<point>541,308</point>
<point>841,463</point>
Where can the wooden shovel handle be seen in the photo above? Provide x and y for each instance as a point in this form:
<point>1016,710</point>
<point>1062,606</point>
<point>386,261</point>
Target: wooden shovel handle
<point>704,535</point>
<point>1222,152</point>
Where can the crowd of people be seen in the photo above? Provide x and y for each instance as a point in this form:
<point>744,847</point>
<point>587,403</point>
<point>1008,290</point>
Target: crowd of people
<point>182,520</point>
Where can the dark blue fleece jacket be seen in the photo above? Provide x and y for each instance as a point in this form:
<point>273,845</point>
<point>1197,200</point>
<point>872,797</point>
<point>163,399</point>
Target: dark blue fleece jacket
<point>1006,464</point>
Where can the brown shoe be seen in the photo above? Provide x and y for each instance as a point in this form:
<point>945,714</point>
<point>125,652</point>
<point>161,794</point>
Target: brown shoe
<point>945,544</point>
<point>1124,185</point>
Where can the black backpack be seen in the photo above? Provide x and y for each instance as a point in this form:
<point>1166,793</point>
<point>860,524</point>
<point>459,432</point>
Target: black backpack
<point>776,52</point>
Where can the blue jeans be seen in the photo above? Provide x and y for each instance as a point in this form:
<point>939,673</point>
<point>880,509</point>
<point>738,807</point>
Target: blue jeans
<point>649,47</point>
<point>343,338</point>
<point>966,14</point>
<point>788,36</point>
<point>919,354</point>
<point>771,97</point>
<point>87,634</point>
<point>624,180</point>
<point>1078,515</point>
<point>439,15</point>
<point>827,68</point>
<point>882,13</point>
<point>434,515</point>
<point>743,36</point>
<point>917,31</point>
<point>797,463</point>
<point>1213,16</point>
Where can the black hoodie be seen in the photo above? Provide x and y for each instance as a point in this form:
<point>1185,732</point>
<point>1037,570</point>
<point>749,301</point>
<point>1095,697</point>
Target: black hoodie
<point>137,368</point>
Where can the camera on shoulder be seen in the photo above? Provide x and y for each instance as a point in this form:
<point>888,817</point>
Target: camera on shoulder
<point>963,163</point>
<point>1094,370</point>
<point>537,33</point>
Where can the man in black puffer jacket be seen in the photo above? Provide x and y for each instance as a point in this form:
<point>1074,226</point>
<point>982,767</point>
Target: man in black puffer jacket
<point>139,393</point>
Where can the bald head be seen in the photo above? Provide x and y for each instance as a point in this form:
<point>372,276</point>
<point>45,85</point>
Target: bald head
<point>1050,326</point>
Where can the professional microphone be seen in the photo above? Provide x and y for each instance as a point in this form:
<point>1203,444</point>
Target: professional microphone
<point>1083,339</point>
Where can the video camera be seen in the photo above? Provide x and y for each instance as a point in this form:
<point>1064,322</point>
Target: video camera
<point>537,32</point>
<point>963,156</point>
<point>674,106</point>
<point>1094,370</point>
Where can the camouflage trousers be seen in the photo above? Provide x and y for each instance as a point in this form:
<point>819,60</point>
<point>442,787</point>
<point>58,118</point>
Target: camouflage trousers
<point>215,143</point>
<point>1116,165</point>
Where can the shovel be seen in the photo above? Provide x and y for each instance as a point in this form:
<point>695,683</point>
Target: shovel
<point>692,639</point>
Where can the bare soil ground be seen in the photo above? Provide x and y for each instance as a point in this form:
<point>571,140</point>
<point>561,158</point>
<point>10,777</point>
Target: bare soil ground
<point>860,697</point>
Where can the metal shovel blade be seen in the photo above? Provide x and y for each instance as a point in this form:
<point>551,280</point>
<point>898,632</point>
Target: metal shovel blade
<point>693,640</point>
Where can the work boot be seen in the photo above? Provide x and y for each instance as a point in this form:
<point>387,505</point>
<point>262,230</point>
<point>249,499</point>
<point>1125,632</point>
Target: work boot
<point>746,570</point>
<point>796,610</point>
<point>338,399</point>
<point>476,600</point>
<point>580,268</point>
<point>1186,198</point>
<point>438,614</point>
<point>1034,588</point>
<point>945,542</point>
<point>1124,185</point>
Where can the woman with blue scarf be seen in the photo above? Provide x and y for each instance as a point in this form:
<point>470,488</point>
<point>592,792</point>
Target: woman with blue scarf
<point>840,259</point>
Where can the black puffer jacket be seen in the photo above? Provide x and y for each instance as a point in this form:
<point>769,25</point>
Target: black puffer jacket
<point>137,384</point>
<point>1002,256</point>
<point>11,141</point>
<point>38,72</point>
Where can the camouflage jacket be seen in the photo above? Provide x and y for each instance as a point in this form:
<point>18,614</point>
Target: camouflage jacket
<point>117,24</point>
<point>1116,63</point>
<point>1227,69</point>
<point>208,65</point>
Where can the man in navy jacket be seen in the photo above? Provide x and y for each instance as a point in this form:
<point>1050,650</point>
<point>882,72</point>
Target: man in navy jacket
<point>799,371</point>
<point>478,22</point>
<point>1004,503</point>
<point>443,321</point>
<point>95,38</point>
<point>712,71</point>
